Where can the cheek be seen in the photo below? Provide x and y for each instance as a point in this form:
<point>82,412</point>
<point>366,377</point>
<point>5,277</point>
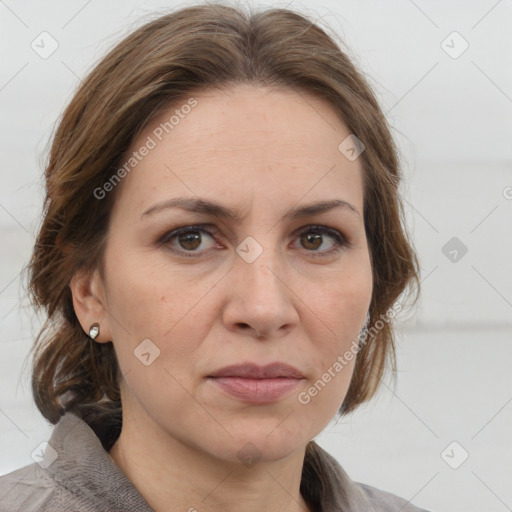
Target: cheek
<point>163,305</point>
<point>340,308</point>
<point>142,294</point>
<point>341,302</point>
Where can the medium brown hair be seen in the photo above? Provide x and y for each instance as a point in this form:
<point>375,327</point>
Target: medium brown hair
<point>157,65</point>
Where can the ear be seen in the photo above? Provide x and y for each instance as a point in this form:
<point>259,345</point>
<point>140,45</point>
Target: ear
<point>89,302</point>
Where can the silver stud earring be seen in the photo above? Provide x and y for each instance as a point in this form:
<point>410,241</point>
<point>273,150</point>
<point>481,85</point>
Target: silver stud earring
<point>94,330</point>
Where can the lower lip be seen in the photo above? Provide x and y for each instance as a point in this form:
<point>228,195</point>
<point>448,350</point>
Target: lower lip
<point>257,390</point>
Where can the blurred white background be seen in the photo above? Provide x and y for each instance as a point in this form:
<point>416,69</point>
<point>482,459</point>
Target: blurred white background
<point>451,110</point>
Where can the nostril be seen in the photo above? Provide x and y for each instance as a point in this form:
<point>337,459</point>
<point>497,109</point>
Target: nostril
<point>246,327</point>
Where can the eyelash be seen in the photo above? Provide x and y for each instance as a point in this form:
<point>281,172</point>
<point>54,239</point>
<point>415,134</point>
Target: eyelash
<point>340,240</point>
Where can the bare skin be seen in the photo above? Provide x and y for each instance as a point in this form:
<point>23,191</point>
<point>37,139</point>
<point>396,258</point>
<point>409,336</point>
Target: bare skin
<point>302,301</point>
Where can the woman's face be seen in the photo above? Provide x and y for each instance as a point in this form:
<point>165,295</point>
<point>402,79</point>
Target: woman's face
<point>270,281</point>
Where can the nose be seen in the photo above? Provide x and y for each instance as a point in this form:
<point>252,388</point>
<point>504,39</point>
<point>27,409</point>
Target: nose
<point>261,300</point>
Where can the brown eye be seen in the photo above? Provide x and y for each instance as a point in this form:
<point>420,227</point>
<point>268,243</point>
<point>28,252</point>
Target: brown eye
<point>311,241</point>
<point>321,240</point>
<point>188,241</point>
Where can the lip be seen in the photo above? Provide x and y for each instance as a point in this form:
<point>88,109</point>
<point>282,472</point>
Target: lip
<point>257,384</point>
<point>254,371</point>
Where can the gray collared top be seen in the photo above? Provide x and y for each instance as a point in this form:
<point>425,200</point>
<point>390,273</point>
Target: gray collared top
<point>77,474</point>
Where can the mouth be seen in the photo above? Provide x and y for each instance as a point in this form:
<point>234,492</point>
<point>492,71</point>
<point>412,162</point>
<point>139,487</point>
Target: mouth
<point>257,384</point>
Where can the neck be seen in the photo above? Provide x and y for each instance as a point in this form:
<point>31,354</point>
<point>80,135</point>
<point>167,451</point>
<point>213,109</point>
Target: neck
<point>170,474</point>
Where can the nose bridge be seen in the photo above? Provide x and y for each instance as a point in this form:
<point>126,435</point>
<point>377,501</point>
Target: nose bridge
<point>260,264</point>
<point>259,297</point>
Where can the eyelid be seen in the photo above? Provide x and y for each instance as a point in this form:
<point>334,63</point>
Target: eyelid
<point>210,229</point>
<point>334,233</point>
<point>341,241</point>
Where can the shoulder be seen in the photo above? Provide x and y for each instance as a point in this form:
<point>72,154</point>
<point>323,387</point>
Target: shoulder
<point>30,489</point>
<point>382,501</point>
<point>335,490</point>
<point>42,486</point>
<point>75,473</point>
<point>51,484</point>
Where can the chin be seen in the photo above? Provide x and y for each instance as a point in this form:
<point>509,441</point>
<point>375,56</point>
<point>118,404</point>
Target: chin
<point>266,442</point>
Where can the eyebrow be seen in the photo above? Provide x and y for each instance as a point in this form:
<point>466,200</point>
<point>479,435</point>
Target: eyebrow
<point>217,210</point>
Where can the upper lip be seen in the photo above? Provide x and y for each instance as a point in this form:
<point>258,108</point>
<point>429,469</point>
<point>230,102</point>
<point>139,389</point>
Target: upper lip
<point>254,371</point>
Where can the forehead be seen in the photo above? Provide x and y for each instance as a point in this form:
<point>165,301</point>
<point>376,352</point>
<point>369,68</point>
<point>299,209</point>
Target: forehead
<point>270,142</point>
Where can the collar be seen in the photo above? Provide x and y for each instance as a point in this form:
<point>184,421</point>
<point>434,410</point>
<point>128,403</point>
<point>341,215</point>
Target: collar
<point>84,468</point>
<point>87,470</point>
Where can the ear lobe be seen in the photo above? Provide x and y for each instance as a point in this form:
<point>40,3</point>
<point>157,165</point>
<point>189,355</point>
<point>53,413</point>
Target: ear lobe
<point>87,290</point>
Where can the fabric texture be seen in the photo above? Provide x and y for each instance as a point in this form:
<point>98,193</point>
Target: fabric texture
<point>77,474</point>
